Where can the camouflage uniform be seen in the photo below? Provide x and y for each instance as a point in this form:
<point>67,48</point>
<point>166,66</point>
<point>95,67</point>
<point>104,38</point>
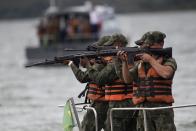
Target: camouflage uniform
<point>159,120</point>
<point>88,123</point>
<point>101,107</point>
<point>122,120</point>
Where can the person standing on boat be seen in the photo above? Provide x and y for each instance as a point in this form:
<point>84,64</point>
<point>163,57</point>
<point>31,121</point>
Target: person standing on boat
<point>117,92</point>
<point>152,83</point>
<point>95,21</point>
<point>95,93</point>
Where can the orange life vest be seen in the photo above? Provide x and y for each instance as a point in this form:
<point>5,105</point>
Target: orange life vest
<point>118,91</point>
<point>95,92</point>
<point>152,87</point>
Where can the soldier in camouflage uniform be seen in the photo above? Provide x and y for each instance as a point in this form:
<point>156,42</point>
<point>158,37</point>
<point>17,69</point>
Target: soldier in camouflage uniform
<point>152,83</point>
<point>117,92</point>
<point>94,93</point>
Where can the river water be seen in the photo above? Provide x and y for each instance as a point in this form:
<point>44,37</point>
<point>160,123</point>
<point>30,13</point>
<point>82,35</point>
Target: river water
<point>29,97</point>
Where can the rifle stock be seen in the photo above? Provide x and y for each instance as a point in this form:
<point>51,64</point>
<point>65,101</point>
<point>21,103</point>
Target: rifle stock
<point>132,51</point>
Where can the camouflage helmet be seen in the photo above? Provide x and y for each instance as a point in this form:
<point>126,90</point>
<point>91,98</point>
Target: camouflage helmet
<point>151,37</point>
<point>142,39</point>
<point>117,38</point>
<point>155,37</point>
<point>102,40</point>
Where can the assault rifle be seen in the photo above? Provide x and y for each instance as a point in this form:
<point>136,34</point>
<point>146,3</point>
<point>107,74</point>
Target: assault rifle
<point>92,48</point>
<point>131,51</point>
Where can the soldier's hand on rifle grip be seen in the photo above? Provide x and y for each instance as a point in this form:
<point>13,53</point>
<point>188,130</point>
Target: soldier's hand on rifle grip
<point>84,62</point>
<point>160,60</point>
<point>145,57</point>
<point>92,61</point>
<point>122,55</point>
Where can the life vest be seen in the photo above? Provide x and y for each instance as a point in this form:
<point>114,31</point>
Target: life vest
<point>95,92</point>
<point>118,91</point>
<point>151,87</point>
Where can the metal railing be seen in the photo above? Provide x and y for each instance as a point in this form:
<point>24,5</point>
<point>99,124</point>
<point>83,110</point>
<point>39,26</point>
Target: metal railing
<point>74,111</point>
<point>95,114</point>
<point>144,112</point>
<point>121,109</point>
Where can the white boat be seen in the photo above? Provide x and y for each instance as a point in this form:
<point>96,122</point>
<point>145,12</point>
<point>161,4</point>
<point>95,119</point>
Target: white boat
<point>74,27</point>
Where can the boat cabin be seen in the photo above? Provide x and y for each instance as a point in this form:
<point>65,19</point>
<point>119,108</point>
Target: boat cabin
<point>67,26</point>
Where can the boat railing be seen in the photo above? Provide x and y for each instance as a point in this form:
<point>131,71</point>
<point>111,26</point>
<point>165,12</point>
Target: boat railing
<point>74,108</point>
<point>144,109</point>
<point>135,108</point>
<point>95,113</point>
<point>144,112</point>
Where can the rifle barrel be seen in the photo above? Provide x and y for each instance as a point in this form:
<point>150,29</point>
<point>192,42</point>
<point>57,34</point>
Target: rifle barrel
<point>132,51</point>
<point>46,62</point>
<point>74,49</point>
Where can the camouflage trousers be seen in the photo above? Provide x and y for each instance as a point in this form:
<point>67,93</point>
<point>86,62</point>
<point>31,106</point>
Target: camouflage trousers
<point>158,120</point>
<point>122,120</point>
<point>88,122</point>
